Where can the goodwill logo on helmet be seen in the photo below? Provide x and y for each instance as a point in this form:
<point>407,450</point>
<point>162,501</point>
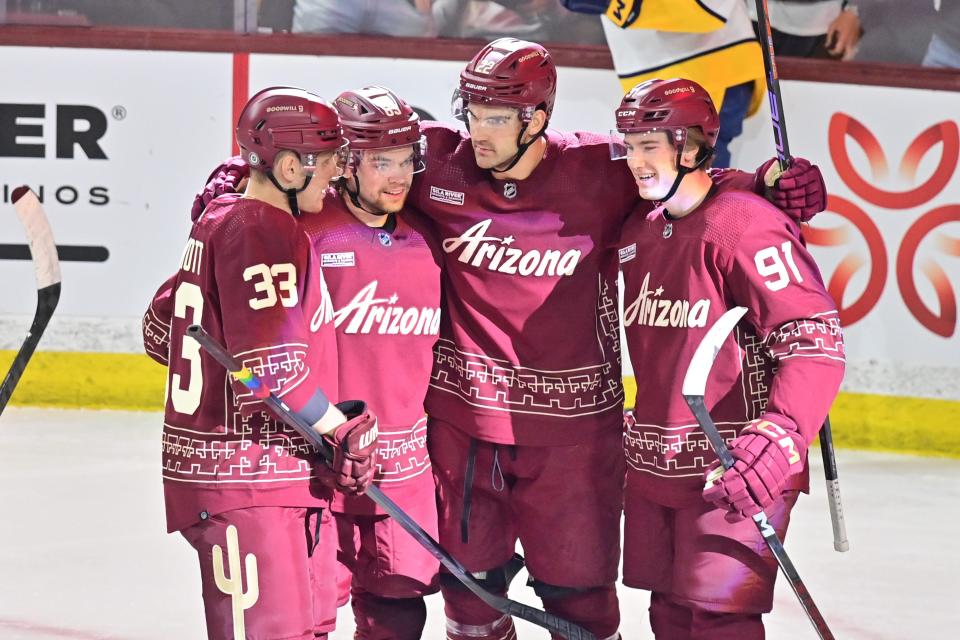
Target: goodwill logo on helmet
<point>494,253</point>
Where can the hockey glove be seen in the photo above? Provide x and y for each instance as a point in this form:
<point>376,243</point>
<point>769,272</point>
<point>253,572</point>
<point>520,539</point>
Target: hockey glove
<point>765,456</point>
<point>229,177</point>
<point>799,191</point>
<point>354,448</point>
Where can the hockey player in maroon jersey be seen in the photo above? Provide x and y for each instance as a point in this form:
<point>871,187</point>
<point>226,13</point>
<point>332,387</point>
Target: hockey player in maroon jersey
<point>238,484</point>
<point>525,400</point>
<point>701,252</point>
<point>384,280</point>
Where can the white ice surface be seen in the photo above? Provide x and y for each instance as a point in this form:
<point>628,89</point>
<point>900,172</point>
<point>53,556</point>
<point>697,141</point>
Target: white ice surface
<point>84,554</point>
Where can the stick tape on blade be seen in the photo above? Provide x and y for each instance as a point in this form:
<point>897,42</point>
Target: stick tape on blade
<point>695,382</point>
<point>42,246</point>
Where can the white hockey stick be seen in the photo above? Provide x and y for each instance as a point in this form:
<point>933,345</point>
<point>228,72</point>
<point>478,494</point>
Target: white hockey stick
<point>694,387</point>
<point>44,252</point>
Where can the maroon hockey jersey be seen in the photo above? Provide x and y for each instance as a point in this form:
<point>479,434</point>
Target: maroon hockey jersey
<point>385,287</point>
<point>528,350</point>
<point>529,347</point>
<point>784,362</point>
<point>249,276</point>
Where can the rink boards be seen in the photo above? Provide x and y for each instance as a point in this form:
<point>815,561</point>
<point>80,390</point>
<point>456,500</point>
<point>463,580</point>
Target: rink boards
<point>119,142</point>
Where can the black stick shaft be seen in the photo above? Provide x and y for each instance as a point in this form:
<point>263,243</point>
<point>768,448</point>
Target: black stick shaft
<point>47,299</point>
<point>505,605</point>
<point>778,119</point>
<point>773,86</point>
<point>763,525</point>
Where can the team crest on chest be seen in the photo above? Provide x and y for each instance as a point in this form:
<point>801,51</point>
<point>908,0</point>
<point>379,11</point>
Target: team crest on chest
<point>667,230</point>
<point>510,190</point>
<point>384,238</point>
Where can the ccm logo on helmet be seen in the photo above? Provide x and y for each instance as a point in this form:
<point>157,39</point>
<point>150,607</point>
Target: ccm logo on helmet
<point>285,107</point>
<point>627,112</point>
<point>669,92</point>
<point>400,130</point>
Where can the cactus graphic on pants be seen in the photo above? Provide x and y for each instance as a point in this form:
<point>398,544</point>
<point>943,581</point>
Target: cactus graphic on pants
<point>232,585</point>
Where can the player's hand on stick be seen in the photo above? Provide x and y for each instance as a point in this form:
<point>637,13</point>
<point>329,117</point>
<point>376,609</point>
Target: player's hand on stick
<point>355,448</point>
<point>799,191</point>
<point>230,177</point>
<point>765,455</point>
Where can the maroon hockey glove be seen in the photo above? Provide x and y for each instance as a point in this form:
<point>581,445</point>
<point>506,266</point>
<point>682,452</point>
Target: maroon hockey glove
<point>226,178</point>
<point>354,448</point>
<point>799,191</point>
<point>765,455</point>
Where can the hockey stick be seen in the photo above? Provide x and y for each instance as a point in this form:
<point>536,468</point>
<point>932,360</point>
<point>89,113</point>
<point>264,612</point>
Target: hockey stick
<point>777,116</point>
<point>840,542</point>
<point>45,262</point>
<point>694,385</point>
<point>773,86</point>
<point>538,617</point>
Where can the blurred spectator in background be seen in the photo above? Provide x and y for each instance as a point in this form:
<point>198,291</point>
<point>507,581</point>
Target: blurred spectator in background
<point>944,49</point>
<point>385,17</point>
<point>896,31</point>
<point>812,28</point>
<point>708,41</point>
<point>180,14</point>
<point>538,20</point>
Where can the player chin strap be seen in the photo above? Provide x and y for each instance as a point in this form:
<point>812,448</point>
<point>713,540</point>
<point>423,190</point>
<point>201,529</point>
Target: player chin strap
<point>291,192</point>
<point>522,147</point>
<point>355,198</point>
<point>682,171</point>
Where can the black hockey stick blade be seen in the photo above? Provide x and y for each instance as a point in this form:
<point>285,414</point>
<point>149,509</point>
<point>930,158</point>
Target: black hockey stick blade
<point>837,519</point>
<point>47,267</point>
<point>536,616</point>
<point>694,387</point>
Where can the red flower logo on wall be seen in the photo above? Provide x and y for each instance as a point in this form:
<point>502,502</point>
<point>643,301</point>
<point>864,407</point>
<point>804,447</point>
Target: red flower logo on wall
<point>842,126</point>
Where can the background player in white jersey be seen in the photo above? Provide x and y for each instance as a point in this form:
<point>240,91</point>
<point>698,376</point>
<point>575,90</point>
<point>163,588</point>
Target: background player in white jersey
<point>384,280</point>
<point>236,481</point>
<point>525,400</point>
<point>703,251</point>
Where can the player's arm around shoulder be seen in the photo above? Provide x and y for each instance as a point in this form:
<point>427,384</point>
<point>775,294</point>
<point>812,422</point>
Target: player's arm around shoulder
<point>799,192</point>
<point>772,273</point>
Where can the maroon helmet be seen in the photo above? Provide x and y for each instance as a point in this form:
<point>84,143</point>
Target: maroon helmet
<point>669,105</point>
<point>512,73</point>
<point>287,119</point>
<point>377,118</point>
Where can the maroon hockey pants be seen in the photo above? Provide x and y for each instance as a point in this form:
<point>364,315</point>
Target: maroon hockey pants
<point>563,503</point>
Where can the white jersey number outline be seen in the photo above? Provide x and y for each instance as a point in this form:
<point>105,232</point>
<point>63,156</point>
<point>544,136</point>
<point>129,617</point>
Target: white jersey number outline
<point>287,285</point>
<point>187,400</point>
<point>769,263</point>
